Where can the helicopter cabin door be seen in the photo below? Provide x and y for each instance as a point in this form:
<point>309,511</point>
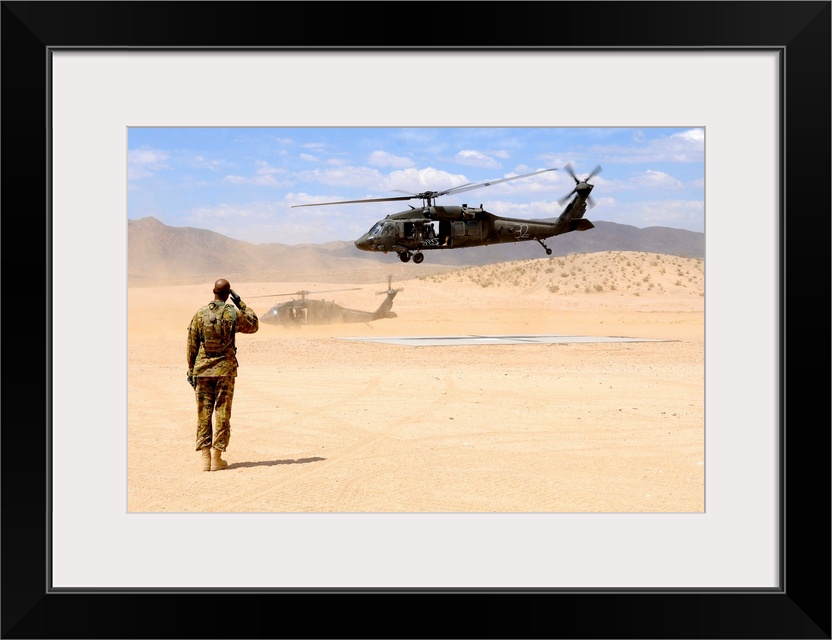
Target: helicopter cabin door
<point>467,233</point>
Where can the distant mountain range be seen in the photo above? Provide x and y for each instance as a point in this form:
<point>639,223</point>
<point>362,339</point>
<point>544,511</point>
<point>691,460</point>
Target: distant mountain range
<point>156,250</point>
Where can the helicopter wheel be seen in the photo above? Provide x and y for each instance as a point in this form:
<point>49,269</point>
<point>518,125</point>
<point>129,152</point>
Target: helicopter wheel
<point>404,257</point>
<point>548,251</point>
<point>418,257</point>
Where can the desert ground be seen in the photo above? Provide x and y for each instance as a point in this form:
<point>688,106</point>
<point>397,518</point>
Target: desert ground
<point>321,423</point>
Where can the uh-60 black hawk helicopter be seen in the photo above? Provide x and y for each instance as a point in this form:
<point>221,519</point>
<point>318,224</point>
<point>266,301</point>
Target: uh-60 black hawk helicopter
<point>431,226</point>
<point>303,310</point>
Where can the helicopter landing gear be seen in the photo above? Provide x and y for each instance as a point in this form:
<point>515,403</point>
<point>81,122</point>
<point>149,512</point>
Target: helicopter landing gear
<point>542,244</point>
<point>404,256</point>
<point>418,257</point>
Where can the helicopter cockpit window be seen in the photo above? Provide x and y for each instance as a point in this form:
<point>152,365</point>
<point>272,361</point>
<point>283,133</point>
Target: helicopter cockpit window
<point>376,230</point>
<point>388,229</point>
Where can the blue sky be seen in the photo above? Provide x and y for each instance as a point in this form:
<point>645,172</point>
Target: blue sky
<point>242,182</point>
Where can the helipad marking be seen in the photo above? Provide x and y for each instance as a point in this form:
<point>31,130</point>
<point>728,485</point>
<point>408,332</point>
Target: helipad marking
<point>433,341</point>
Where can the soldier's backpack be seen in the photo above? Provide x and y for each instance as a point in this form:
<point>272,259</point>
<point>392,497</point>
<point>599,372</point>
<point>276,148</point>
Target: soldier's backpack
<point>218,329</point>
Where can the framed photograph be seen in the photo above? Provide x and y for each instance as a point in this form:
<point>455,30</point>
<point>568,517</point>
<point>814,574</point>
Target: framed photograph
<point>754,564</point>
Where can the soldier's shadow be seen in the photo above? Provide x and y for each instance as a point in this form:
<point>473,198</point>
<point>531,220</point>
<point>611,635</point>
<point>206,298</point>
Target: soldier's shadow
<point>271,463</point>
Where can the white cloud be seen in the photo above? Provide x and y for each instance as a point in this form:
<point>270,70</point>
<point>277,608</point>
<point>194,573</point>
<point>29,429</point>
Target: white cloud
<point>266,180</point>
<point>201,162</point>
<point>308,157</point>
<point>660,179</point>
<point>685,146</point>
<point>691,136</point>
<point>357,177</point>
<point>143,163</point>
<point>473,158</point>
<point>418,180</point>
<point>384,159</point>
<point>265,175</point>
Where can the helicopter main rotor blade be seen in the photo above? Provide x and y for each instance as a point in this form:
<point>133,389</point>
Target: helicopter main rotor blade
<point>427,195</point>
<point>273,295</point>
<point>469,186</point>
<point>301,293</point>
<point>317,204</point>
<point>571,172</point>
<point>331,290</point>
<point>431,193</point>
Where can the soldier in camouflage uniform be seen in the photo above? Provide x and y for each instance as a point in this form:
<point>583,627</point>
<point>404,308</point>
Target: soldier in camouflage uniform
<point>212,368</point>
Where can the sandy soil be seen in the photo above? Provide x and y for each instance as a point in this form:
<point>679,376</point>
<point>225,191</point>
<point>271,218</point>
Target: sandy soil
<point>324,424</point>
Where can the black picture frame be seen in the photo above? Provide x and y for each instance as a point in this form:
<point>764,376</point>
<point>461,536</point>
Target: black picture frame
<point>799,608</point>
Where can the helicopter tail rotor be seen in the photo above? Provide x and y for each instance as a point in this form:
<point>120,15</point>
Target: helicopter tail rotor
<point>578,182</point>
<point>390,288</point>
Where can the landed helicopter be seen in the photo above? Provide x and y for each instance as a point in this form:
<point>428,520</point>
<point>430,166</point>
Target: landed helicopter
<point>431,226</point>
<point>302,310</point>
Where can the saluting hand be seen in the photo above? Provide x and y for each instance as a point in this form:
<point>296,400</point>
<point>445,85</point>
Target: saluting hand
<point>236,300</point>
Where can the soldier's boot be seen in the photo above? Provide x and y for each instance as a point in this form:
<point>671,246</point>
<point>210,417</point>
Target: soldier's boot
<point>217,462</point>
<point>206,459</point>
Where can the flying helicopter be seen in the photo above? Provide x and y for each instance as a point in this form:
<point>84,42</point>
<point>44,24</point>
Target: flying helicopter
<point>302,310</point>
<point>431,226</point>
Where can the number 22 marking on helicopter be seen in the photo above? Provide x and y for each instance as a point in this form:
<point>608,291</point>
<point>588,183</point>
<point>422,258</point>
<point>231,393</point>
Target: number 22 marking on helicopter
<point>432,226</point>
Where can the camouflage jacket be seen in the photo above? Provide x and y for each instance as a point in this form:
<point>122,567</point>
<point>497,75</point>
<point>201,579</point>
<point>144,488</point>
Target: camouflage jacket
<point>224,364</point>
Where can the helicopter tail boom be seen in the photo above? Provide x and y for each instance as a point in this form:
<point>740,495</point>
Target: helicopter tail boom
<point>384,309</point>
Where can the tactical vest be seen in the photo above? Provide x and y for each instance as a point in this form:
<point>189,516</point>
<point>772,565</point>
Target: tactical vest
<point>218,329</point>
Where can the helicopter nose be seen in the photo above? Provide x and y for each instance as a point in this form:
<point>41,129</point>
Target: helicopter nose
<point>362,243</point>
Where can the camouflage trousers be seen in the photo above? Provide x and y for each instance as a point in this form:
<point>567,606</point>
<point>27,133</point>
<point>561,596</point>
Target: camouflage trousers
<point>214,395</point>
